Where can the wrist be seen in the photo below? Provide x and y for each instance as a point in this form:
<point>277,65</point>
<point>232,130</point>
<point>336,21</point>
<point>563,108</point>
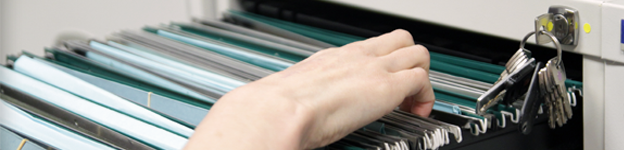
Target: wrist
<point>272,112</point>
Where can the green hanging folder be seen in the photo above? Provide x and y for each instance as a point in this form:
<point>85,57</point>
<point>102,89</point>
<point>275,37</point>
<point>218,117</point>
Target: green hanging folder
<point>73,62</point>
<point>320,34</point>
<point>217,34</point>
<point>472,64</point>
<point>249,56</point>
<point>465,72</point>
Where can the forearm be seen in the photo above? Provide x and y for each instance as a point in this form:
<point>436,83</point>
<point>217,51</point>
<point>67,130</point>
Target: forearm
<point>264,122</point>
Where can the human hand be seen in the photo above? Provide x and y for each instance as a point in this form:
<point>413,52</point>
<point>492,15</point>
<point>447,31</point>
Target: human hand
<point>325,97</point>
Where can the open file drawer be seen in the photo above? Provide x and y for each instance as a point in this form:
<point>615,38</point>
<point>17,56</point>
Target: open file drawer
<point>447,42</point>
<point>441,39</point>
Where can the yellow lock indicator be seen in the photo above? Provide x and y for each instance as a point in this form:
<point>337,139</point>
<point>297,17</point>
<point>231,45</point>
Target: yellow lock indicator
<point>550,26</point>
<point>587,27</point>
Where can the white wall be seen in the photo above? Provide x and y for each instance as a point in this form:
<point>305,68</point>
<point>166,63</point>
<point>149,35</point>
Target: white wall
<point>33,24</point>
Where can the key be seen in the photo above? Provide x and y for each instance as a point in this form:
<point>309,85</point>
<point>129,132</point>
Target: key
<point>558,72</point>
<point>531,102</point>
<point>558,106</point>
<point>511,61</point>
<point>554,94</point>
<point>514,62</point>
<point>518,62</point>
<point>547,101</point>
<point>492,96</point>
<point>553,109</point>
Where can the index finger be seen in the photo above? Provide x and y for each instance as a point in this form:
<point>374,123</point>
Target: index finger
<point>419,96</point>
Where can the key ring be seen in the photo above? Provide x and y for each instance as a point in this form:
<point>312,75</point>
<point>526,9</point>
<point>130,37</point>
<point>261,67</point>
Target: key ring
<point>552,37</point>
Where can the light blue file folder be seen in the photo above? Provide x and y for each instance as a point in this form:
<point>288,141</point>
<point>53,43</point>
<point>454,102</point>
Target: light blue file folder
<point>180,110</point>
<point>67,82</point>
<point>178,65</point>
<point>220,84</point>
<point>41,130</point>
<point>147,77</point>
<point>139,130</point>
<point>446,107</point>
<point>10,140</point>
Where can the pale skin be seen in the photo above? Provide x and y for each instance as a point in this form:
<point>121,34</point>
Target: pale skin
<point>322,98</point>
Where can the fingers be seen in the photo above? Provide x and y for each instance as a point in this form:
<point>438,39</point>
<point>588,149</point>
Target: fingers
<point>418,91</point>
<point>384,44</point>
<point>416,107</point>
<point>407,58</point>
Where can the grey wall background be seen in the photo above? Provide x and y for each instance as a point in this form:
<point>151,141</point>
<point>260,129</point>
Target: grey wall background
<point>32,25</point>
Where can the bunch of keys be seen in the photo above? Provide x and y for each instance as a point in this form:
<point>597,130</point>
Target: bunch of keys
<point>518,59</point>
<point>552,90</point>
<point>552,84</point>
<point>526,83</point>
